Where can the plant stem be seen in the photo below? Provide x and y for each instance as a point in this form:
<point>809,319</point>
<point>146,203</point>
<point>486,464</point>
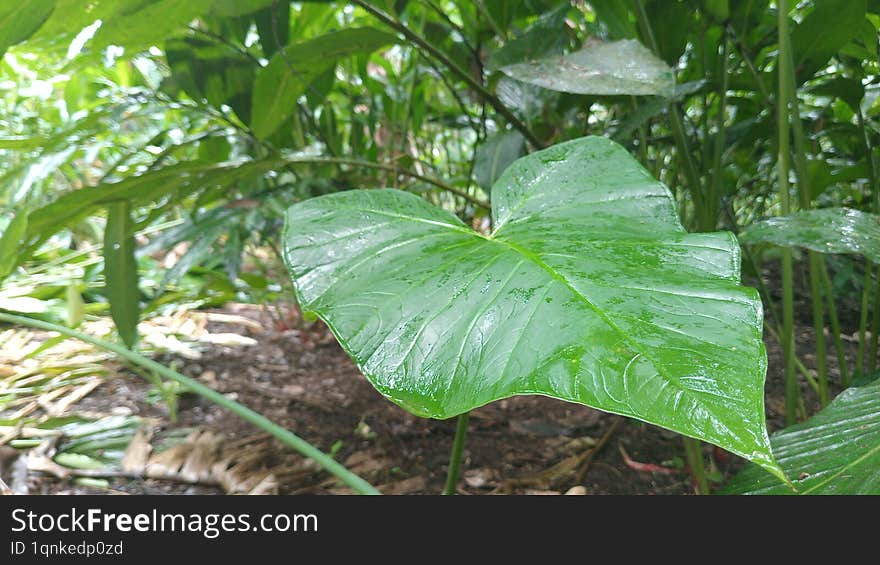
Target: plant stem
<point>835,328</point>
<point>455,455</point>
<point>863,320</point>
<point>283,435</point>
<point>421,43</point>
<point>710,212</point>
<point>675,119</point>
<point>694,454</point>
<point>875,328</point>
<point>390,168</point>
<point>792,392</point>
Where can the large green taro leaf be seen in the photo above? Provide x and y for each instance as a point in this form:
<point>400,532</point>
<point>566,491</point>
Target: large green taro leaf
<point>588,290</point>
<point>837,451</point>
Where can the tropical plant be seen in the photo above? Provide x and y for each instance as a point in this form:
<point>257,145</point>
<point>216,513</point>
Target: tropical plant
<point>134,128</point>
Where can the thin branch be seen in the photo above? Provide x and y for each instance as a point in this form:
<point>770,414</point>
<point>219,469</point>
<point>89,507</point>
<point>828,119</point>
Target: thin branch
<point>390,168</point>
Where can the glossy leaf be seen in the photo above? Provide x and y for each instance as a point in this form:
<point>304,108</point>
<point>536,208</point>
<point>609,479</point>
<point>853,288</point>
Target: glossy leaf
<point>613,68</point>
<point>588,290</point>
<point>495,155</point>
<point>290,72</point>
<point>19,19</point>
<point>120,271</point>
<point>837,451</point>
<point>826,230</point>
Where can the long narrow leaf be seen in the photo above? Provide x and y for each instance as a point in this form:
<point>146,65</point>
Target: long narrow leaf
<point>120,271</point>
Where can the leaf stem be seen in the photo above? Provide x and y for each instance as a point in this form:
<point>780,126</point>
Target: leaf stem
<point>835,327</point>
<point>676,121</point>
<point>383,167</point>
<point>455,455</point>
<point>694,454</point>
<point>283,435</point>
<point>792,392</point>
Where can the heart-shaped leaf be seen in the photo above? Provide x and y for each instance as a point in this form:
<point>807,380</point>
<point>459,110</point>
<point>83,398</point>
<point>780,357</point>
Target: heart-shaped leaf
<point>588,290</point>
<point>826,230</point>
<point>837,451</point>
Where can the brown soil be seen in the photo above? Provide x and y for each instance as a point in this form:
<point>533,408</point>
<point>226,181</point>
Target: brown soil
<point>301,379</point>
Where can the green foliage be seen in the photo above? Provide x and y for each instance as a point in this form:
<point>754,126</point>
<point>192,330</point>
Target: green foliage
<point>837,451</point>
<point>206,119</point>
<point>827,230</point>
<point>292,71</point>
<point>20,19</point>
<point>620,67</point>
<point>120,271</point>
<point>588,289</point>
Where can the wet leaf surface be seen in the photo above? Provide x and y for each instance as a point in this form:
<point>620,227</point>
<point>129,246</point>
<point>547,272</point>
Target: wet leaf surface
<point>588,290</point>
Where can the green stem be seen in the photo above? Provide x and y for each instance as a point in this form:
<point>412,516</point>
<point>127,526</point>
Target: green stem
<point>694,454</point>
<point>792,392</point>
<point>675,119</point>
<point>875,328</point>
<point>421,43</point>
<point>835,328</point>
<point>455,455</point>
<point>816,263</point>
<point>283,435</point>
<point>710,215</point>
<point>863,321</point>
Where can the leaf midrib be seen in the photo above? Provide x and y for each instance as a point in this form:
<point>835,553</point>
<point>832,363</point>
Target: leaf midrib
<point>549,270</point>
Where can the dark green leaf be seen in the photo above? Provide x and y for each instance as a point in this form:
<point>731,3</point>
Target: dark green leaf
<point>545,37</point>
<point>837,451</point>
<point>619,67</point>
<point>671,20</point>
<point>616,17</point>
<point>19,19</point>
<point>290,72</point>
<point>273,25</point>
<point>588,290</point>
<point>495,155</point>
<point>120,271</point>
<point>849,90</point>
<point>206,70</point>
<point>826,230</point>
<point>831,25</point>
